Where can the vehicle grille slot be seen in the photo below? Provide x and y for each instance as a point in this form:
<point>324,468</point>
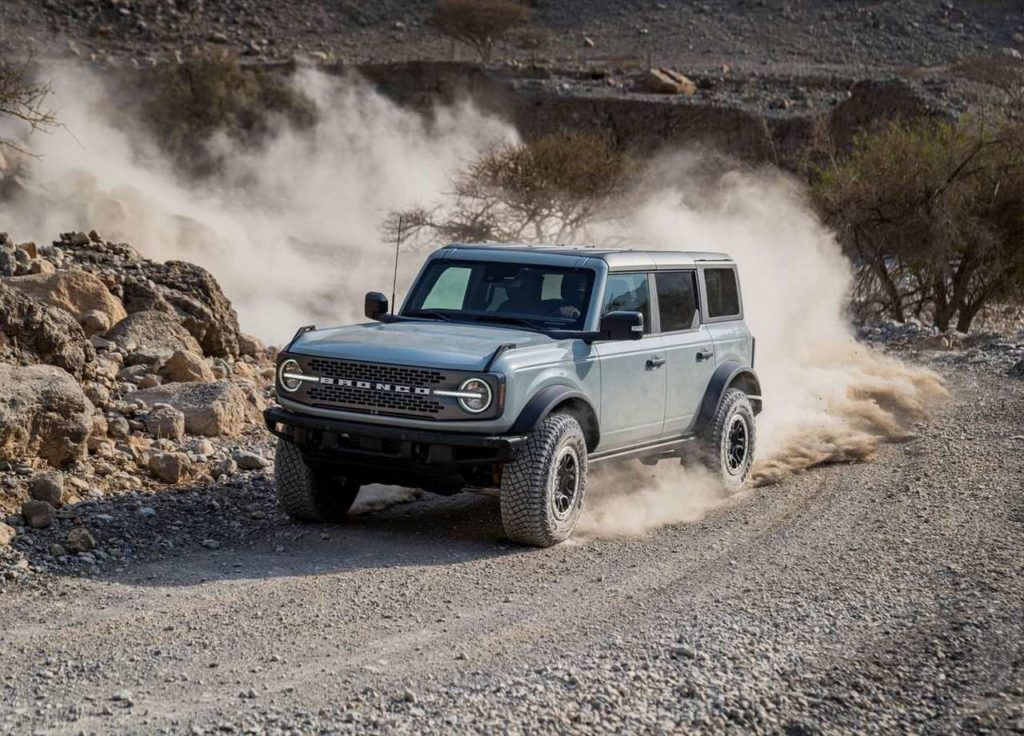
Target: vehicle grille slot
<point>372,399</point>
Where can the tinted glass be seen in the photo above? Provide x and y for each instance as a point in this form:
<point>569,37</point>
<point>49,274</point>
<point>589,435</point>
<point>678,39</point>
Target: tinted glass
<point>544,296</point>
<point>628,292</point>
<point>723,296</point>
<point>677,300</point>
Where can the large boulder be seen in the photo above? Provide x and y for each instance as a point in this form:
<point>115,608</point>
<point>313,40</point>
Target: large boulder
<point>210,409</point>
<point>43,413</point>
<point>34,332</point>
<point>193,295</point>
<point>76,292</point>
<point>154,336</point>
<point>666,82</point>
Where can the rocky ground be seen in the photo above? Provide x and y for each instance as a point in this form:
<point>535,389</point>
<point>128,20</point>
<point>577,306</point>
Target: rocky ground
<point>876,598</point>
<point>802,33</point>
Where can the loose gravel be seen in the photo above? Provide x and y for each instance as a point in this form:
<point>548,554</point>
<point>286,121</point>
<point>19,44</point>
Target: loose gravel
<point>875,598</point>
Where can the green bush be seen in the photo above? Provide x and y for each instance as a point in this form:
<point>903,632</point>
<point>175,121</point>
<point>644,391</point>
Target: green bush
<point>478,23</point>
<point>212,93</point>
<point>933,216</point>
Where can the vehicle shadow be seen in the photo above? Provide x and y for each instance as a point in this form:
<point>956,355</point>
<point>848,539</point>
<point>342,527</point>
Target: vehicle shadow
<point>194,535</point>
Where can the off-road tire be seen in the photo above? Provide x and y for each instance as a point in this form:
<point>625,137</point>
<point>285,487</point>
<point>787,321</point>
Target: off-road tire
<point>530,500</point>
<point>307,493</point>
<point>715,443</point>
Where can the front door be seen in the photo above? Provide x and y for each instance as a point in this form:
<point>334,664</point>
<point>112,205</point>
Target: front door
<point>632,371</point>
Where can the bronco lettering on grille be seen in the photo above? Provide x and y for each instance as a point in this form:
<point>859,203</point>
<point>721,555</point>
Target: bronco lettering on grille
<point>367,385</point>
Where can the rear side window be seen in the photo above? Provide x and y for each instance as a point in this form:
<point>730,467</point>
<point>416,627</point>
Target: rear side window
<point>723,293</point>
<point>628,292</point>
<point>677,300</point>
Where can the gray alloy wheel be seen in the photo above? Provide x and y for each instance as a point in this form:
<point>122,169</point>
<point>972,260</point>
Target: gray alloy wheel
<point>729,441</point>
<point>543,488</point>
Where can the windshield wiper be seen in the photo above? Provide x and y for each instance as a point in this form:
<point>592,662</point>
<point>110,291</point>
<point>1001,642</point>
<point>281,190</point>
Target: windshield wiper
<point>432,315</point>
<point>540,327</point>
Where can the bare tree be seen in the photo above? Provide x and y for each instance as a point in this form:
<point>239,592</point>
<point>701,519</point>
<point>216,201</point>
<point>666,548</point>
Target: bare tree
<point>23,99</point>
<point>547,190</point>
<point>478,23</point>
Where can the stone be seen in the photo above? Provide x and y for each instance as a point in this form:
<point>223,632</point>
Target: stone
<point>251,346</point>
<point>80,539</point>
<point>94,322</point>
<point>250,460</point>
<point>152,337</point>
<point>7,534</point>
<point>166,422</point>
<point>38,333</point>
<point>48,487</point>
<point>211,409</point>
<point>76,292</point>
<point>38,514</point>
<point>1017,371</point>
<point>227,467</point>
<point>41,266</point>
<point>186,368</point>
<point>43,413</point>
<point>193,296</point>
<point>170,467</point>
<point>119,428</point>
<point>150,380</point>
<point>934,342</point>
<point>666,81</point>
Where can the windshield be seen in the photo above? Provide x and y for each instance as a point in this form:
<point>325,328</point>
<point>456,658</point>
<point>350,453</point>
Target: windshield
<point>532,296</point>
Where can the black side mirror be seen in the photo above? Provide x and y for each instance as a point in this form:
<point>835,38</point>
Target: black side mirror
<point>375,306</point>
<point>622,326</point>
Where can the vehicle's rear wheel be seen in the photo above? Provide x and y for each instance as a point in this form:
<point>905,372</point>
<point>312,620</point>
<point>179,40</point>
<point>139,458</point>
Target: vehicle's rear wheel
<point>308,493</point>
<point>542,490</point>
<point>729,440</point>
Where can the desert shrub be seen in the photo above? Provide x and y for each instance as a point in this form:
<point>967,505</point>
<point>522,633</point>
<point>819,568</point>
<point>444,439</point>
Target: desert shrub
<point>933,216</point>
<point>211,93</point>
<point>23,99</point>
<point>546,190</point>
<point>478,23</point>
<point>1002,71</point>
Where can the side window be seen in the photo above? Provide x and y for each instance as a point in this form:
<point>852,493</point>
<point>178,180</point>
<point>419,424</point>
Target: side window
<point>723,293</point>
<point>449,291</point>
<point>677,300</point>
<point>628,292</point>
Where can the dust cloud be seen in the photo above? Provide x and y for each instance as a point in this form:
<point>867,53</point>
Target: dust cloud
<point>291,230</point>
<point>828,398</point>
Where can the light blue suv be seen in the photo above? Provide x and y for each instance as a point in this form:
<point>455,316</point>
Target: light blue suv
<point>514,368</point>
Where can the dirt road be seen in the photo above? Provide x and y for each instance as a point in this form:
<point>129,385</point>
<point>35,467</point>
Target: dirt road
<point>883,597</point>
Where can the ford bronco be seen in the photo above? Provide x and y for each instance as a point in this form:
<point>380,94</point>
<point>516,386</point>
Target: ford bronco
<point>513,369</point>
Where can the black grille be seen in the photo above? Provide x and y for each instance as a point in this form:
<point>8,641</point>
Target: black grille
<point>372,399</point>
<point>378,400</point>
<point>374,373</point>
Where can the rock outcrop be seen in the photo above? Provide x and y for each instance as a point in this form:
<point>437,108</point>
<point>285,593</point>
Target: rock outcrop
<point>77,292</point>
<point>34,332</point>
<point>43,413</point>
<point>152,337</point>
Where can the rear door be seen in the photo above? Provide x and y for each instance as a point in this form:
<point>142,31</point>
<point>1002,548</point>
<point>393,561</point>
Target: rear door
<point>632,371</point>
<point>688,348</point>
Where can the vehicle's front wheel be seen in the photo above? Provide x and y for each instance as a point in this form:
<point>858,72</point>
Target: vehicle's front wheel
<point>729,441</point>
<point>542,490</point>
<point>307,493</point>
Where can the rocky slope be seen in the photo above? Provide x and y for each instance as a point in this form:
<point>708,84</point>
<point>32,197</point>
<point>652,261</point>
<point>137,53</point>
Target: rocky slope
<point>801,33</point>
<point>117,374</point>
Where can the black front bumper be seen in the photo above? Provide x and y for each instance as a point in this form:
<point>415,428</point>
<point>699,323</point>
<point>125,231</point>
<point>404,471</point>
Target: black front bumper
<point>377,453</point>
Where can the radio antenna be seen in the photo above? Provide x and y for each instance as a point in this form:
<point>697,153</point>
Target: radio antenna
<point>394,280</point>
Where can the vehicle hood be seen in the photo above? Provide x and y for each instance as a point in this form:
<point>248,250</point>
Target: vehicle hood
<point>428,344</point>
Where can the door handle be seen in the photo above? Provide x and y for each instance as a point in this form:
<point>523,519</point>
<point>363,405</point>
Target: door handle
<point>655,361</point>
<point>705,354</point>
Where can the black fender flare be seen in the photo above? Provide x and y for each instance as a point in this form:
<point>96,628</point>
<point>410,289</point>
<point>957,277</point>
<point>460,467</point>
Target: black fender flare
<point>725,376</point>
<point>544,401</point>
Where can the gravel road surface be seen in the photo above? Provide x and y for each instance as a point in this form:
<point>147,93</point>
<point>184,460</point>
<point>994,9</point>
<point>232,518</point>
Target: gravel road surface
<point>882,597</point>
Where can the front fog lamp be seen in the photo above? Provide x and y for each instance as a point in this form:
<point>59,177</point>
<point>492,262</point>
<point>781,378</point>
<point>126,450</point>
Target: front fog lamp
<point>475,395</point>
<point>289,375</point>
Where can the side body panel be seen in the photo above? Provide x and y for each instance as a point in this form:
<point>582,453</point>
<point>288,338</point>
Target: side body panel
<point>633,391</point>
<point>691,363</point>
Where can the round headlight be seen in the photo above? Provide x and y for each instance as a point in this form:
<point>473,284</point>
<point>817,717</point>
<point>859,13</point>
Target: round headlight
<point>284,371</point>
<point>477,395</point>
